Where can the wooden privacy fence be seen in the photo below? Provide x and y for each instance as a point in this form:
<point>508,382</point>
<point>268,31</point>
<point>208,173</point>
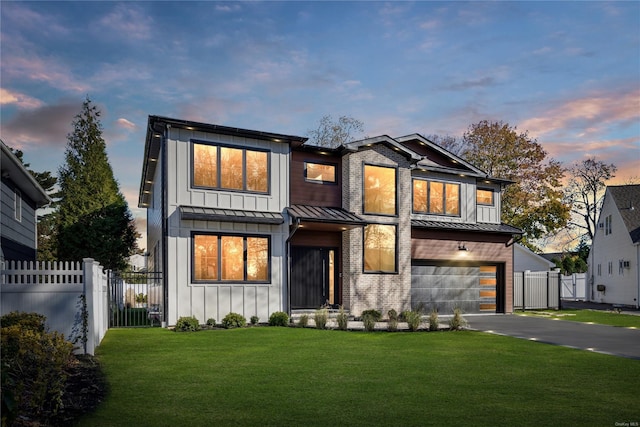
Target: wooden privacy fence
<point>536,289</point>
<point>72,295</point>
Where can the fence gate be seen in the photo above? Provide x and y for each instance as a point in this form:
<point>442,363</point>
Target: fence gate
<point>135,299</point>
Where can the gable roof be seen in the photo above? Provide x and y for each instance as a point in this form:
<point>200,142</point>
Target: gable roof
<point>385,140</point>
<point>627,201</point>
<point>13,168</point>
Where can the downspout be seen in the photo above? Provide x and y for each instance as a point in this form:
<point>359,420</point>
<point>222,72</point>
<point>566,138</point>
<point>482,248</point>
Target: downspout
<point>165,227</point>
<point>638,274</point>
<point>296,225</point>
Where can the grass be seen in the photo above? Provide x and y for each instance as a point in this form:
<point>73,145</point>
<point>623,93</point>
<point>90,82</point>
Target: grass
<point>294,376</point>
<point>589,316</point>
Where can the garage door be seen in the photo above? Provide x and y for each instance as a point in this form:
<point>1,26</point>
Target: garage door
<point>474,289</point>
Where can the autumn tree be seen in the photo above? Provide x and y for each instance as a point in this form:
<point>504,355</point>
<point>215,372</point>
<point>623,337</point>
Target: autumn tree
<point>585,192</point>
<point>534,202</point>
<point>93,217</point>
<point>332,134</point>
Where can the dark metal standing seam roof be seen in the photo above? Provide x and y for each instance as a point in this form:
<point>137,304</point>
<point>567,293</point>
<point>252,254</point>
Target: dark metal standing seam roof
<point>229,215</point>
<point>627,200</point>
<point>478,227</point>
<point>324,214</point>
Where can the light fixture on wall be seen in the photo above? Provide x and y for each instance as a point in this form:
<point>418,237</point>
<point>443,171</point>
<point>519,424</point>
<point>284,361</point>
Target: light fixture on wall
<point>462,247</point>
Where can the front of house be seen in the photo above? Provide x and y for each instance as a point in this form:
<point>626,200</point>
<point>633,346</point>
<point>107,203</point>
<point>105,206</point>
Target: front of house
<point>255,222</point>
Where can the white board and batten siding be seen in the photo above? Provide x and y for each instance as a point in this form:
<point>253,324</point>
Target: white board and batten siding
<point>214,300</point>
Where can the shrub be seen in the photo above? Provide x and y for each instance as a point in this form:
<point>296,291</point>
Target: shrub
<point>303,321</point>
<point>413,319</point>
<point>369,321</point>
<point>457,322</point>
<point>433,320</point>
<point>34,364</point>
<point>279,318</point>
<point>320,317</point>
<point>187,324</point>
<point>211,322</point>
<point>342,319</point>
<point>393,320</point>
<point>234,320</point>
<point>375,314</point>
<point>254,320</point>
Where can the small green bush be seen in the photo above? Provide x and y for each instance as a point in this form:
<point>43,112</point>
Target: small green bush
<point>187,324</point>
<point>369,321</point>
<point>393,320</point>
<point>254,320</point>
<point>433,320</point>
<point>234,320</point>
<point>320,317</point>
<point>303,321</point>
<point>375,314</point>
<point>32,321</point>
<point>279,318</point>
<point>413,319</point>
<point>457,322</point>
<point>211,322</point>
<point>343,319</point>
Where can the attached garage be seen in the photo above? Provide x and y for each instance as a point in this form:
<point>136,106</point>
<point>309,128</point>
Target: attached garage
<point>446,286</point>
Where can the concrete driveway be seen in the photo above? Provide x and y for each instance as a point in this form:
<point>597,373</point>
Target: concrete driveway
<point>623,342</point>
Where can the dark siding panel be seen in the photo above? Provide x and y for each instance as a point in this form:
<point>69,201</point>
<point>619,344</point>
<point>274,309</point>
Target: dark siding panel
<point>317,239</point>
<point>309,193</point>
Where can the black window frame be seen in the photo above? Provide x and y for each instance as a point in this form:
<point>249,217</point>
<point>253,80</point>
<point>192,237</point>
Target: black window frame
<point>364,270</point>
<point>493,196</point>
<point>221,281</point>
<point>378,165</point>
<point>314,181</point>
<point>218,167</point>
<point>444,198</point>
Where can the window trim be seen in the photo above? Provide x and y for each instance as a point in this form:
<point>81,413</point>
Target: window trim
<point>444,197</point>
<point>218,167</point>
<point>395,261</point>
<point>221,281</point>
<point>17,204</point>
<point>493,196</point>
<point>379,165</point>
<point>322,182</point>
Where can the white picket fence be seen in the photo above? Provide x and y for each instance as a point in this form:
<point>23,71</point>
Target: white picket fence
<point>574,287</point>
<point>72,295</point>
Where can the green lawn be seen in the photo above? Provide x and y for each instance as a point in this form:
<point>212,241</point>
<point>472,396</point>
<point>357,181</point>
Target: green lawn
<point>294,377</point>
<point>593,316</point>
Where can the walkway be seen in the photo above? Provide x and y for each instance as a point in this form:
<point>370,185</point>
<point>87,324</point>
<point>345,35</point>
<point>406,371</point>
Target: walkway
<point>617,341</point>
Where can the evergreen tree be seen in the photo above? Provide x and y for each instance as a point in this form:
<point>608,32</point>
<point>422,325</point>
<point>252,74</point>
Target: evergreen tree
<point>93,217</point>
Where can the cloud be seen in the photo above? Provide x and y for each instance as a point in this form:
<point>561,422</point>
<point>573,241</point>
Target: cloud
<point>46,126</point>
<point>47,70</point>
<point>24,18</point>
<point>227,7</point>
<point>21,100</point>
<point>127,21</point>
<point>471,83</point>
<point>125,124</point>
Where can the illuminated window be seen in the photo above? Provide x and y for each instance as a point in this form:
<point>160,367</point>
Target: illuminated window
<point>484,197</point>
<point>434,197</point>
<point>230,168</point>
<point>379,190</point>
<point>231,258</point>
<point>380,248</point>
<point>317,172</point>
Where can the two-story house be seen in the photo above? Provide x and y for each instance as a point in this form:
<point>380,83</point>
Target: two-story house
<point>20,197</point>
<point>615,251</point>
<point>256,222</point>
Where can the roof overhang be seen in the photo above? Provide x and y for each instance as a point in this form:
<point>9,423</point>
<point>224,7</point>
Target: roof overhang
<point>13,169</point>
<point>384,140</point>
<point>230,215</point>
<point>473,228</point>
<point>324,218</point>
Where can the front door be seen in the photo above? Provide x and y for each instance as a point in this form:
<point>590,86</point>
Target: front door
<point>313,277</point>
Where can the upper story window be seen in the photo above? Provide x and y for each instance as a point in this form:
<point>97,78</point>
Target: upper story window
<point>380,248</point>
<point>436,197</point>
<point>379,190</point>
<point>230,258</point>
<point>17,204</point>
<point>320,172</point>
<point>484,196</point>
<point>607,225</point>
<point>230,168</point>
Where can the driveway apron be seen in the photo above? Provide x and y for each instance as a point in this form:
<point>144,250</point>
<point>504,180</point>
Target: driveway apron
<point>617,341</point>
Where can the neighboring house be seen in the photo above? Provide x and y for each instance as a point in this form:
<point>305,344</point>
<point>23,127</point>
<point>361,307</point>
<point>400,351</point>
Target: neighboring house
<point>20,197</point>
<point>526,260</point>
<point>615,252</point>
<point>256,222</point>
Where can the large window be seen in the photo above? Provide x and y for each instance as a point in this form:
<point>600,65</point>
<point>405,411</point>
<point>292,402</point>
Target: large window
<point>320,172</point>
<point>380,248</point>
<point>435,197</point>
<point>379,190</point>
<point>230,168</point>
<point>219,258</point>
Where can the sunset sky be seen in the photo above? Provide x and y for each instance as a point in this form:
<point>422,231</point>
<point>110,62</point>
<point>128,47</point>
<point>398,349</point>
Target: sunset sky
<point>566,72</point>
